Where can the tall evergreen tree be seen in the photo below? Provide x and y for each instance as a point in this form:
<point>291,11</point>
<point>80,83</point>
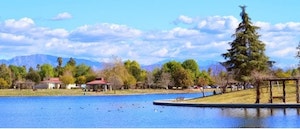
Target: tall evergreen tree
<point>59,62</point>
<point>59,69</point>
<point>247,51</point>
<point>71,62</point>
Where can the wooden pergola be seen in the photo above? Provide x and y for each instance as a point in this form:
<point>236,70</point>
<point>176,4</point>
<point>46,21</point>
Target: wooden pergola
<point>24,85</point>
<point>283,97</point>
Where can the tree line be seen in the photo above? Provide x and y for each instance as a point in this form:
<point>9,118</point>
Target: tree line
<point>68,74</point>
<point>127,74</point>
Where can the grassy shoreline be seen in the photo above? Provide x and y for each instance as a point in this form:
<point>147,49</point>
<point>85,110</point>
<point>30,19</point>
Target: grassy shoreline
<point>249,96</point>
<point>237,97</point>
<point>79,92</point>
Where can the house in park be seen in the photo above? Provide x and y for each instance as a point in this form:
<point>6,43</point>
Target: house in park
<point>51,83</point>
<point>99,84</point>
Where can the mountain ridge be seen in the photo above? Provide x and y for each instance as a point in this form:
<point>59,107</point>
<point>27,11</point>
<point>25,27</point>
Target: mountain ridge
<point>33,60</point>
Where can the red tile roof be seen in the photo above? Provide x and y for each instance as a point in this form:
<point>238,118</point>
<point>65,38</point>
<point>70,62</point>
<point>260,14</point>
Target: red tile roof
<point>52,80</point>
<point>95,82</point>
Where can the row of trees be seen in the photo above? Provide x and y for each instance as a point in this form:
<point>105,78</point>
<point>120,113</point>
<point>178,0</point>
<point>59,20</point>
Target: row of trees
<point>128,74</point>
<point>172,74</point>
<point>68,74</point>
<point>118,73</point>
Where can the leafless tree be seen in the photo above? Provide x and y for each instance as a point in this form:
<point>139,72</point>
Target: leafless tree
<point>116,82</point>
<point>165,80</point>
<point>219,75</point>
<point>257,78</point>
<point>150,79</point>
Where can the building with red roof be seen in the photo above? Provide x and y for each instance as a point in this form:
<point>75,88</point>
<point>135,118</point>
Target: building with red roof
<point>51,83</point>
<point>99,84</point>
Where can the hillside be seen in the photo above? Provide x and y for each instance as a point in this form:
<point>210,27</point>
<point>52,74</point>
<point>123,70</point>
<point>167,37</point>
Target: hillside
<point>33,60</point>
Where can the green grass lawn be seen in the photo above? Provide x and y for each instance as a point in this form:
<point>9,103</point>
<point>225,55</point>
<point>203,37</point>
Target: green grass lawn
<point>249,96</point>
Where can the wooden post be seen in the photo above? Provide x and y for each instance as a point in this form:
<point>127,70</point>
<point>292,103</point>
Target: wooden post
<point>258,112</point>
<point>257,91</point>
<point>297,91</point>
<point>283,99</point>
<point>271,94</point>
<point>203,95</point>
<point>271,109</point>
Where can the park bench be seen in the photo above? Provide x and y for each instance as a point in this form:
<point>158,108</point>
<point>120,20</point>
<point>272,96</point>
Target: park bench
<point>179,98</point>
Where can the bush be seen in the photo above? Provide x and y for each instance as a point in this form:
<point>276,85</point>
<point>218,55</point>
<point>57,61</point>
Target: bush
<point>3,83</point>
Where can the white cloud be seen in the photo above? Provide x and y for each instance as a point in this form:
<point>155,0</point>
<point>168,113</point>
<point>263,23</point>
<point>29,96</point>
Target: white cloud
<point>26,27</point>
<point>161,53</point>
<point>57,33</point>
<point>204,39</point>
<point>62,16</point>
<point>218,24</point>
<point>183,32</point>
<point>177,34</point>
<point>284,52</point>
<point>288,26</point>
<point>185,19</point>
<point>105,31</point>
<point>189,45</point>
<point>23,23</point>
<point>11,37</point>
<point>263,25</point>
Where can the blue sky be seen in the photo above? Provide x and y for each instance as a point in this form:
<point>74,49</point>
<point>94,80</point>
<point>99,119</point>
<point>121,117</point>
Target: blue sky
<point>148,31</point>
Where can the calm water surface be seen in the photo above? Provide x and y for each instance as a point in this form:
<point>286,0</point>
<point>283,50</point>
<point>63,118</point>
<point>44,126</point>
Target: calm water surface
<point>132,111</point>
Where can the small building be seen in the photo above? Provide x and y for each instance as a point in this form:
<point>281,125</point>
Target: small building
<point>24,85</point>
<point>51,83</point>
<point>99,84</point>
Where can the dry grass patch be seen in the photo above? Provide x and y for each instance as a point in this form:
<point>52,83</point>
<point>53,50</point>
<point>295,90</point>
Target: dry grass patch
<point>40,92</point>
<point>249,96</point>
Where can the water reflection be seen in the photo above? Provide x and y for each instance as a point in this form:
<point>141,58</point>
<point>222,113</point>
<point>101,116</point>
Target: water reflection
<point>261,117</point>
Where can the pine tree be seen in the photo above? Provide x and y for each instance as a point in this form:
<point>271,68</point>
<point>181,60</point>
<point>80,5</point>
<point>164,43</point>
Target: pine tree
<point>247,51</point>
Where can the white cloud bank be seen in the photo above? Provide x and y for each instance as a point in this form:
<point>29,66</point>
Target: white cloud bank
<point>202,39</point>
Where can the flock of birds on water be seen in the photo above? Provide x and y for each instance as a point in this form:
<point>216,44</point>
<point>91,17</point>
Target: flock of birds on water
<point>119,108</point>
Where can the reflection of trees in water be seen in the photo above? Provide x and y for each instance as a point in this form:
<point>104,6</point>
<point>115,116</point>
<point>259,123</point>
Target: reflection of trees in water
<point>255,117</point>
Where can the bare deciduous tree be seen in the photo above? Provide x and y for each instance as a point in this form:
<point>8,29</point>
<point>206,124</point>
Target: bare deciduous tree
<point>117,70</point>
<point>150,79</point>
<point>116,82</point>
<point>165,80</point>
<point>219,74</point>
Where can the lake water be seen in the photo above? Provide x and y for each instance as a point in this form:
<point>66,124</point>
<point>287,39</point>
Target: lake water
<point>132,111</point>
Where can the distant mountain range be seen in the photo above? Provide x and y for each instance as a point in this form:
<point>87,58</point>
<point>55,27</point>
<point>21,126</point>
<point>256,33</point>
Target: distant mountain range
<point>33,60</point>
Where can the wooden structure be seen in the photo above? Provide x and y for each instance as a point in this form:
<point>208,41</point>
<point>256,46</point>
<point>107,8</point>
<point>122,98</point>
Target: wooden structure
<point>24,85</point>
<point>99,84</point>
<point>283,97</point>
